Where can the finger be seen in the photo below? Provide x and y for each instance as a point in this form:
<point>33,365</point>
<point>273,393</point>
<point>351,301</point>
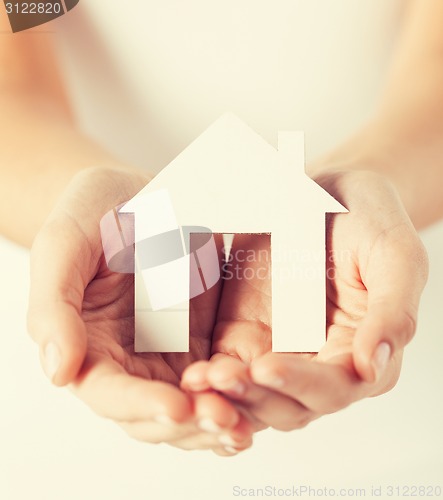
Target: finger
<point>194,377</point>
<point>230,444</point>
<point>244,315</point>
<point>60,268</point>
<point>234,432</point>
<point>240,439</point>
<point>210,442</point>
<point>395,277</point>
<point>215,423</point>
<point>214,413</point>
<point>231,377</point>
<point>265,407</point>
<point>231,448</point>
<point>150,431</point>
<point>245,340</point>
<point>186,436</point>
<point>203,307</point>
<point>227,443</point>
<point>227,451</point>
<point>321,387</point>
<point>112,393</point>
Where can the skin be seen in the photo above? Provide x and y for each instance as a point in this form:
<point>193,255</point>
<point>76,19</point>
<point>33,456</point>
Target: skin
<point>376,270</point>
<point>82,315</point>
<point>62,200</point>
<point>373,299</point>
<point>85,336</point>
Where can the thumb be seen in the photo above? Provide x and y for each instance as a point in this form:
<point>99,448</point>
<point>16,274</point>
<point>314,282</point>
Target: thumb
<point>394,279</point>
<point>60,257</point>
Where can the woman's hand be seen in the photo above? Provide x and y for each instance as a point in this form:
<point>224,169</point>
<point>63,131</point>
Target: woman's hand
<point>376,271</point>
<point>82,316</point>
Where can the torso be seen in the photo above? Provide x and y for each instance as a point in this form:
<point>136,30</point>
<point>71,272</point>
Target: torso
<point>146,80</point>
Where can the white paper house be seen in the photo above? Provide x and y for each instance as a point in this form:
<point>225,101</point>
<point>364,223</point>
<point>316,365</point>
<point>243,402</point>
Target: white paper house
<point>231,180</point>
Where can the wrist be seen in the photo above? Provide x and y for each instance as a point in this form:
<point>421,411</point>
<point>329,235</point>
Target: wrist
<point>366,153</point>
<point>88,193</point>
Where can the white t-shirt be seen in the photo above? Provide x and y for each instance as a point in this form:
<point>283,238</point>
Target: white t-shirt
<point>147,77</point>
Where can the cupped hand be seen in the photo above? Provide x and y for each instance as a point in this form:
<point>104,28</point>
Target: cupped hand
<point>82,316</point>
<point>376,269</point>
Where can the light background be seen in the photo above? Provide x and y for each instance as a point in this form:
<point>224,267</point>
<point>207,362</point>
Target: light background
<point>53,447</point>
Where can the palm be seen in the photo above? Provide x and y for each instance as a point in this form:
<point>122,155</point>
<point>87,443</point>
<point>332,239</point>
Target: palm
<point>366,250</point>
<point>245,313</point>
<point>105,299</point>
<point>85,314</point>
<point>108,313</point>
<point>93,311</point>
<point>350,256</point>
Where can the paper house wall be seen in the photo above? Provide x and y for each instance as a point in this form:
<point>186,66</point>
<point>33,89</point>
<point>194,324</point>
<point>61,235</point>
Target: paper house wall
<point>230,180</point>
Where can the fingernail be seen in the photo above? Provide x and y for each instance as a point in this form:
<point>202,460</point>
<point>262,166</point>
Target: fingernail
<point>51,360</point>
<point>164,420</point>
<point>208,425</point>
<point>232,450</point>
<point>198,387</point>
<point>235,387</point>
<point>380,359</point>
<point>238,388</point>
<point>277,382</point>
<point>227,440</point>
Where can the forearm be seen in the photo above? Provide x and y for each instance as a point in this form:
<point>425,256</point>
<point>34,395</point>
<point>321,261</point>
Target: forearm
<point>40,151</point>
<point>409,154</point>
<point>41,148</point>
<point>404,140</point>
